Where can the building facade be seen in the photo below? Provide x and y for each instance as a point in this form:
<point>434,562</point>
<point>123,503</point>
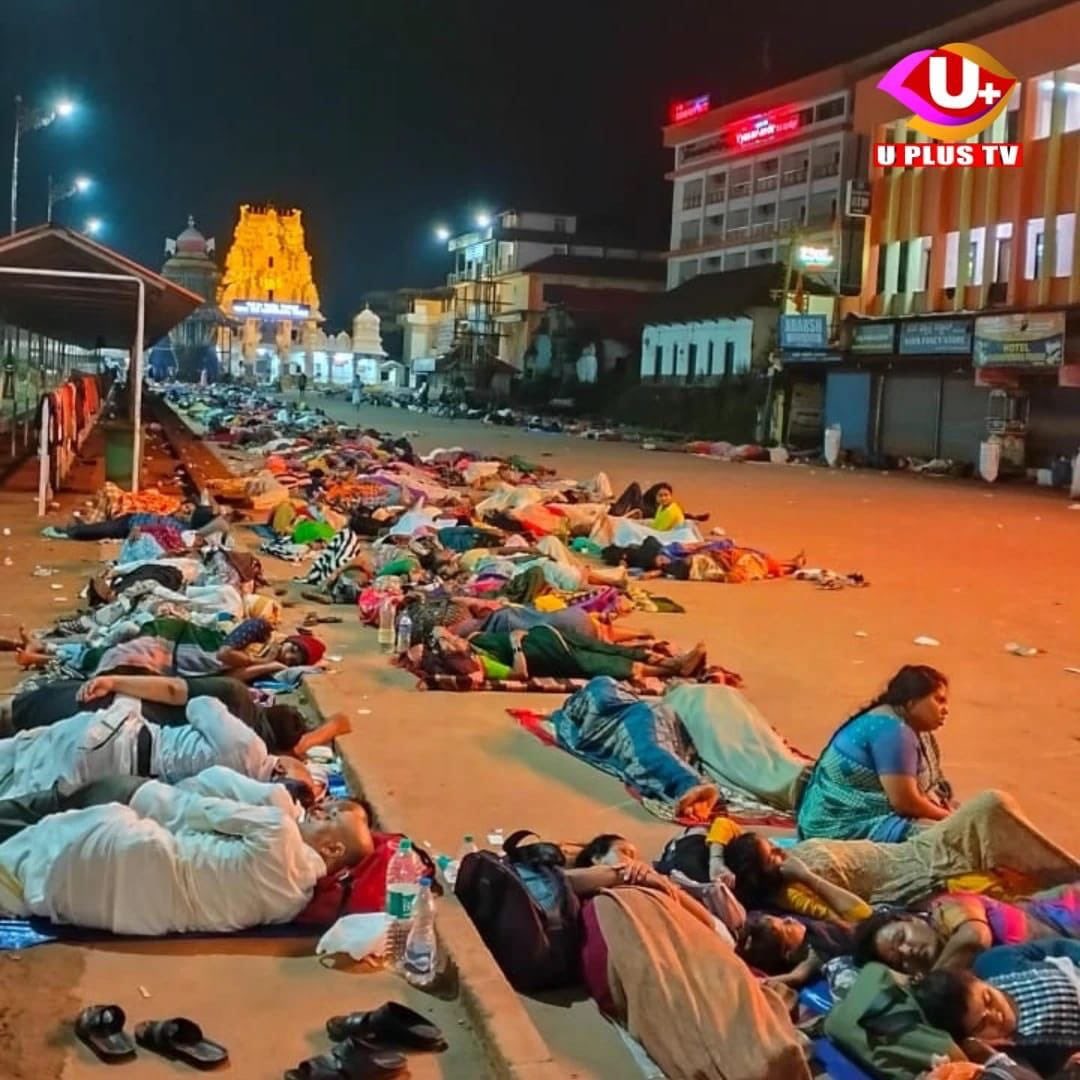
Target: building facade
<point>268,294</point>
<point>191,346</point>
<point>508,275</point>
<point>967,328</point>
<point>764,179</point>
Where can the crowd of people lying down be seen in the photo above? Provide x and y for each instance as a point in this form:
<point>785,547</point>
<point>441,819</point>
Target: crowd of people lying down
<point>150,782</point>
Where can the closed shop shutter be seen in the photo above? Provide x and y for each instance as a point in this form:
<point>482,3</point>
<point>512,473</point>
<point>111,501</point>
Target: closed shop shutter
<point>963,418</point>
<point>1053,423</point>
<point>909,416</point>
<point>847,403</point>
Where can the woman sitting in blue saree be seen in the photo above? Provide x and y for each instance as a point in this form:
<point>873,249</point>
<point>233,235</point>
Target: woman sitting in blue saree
<point>880,775</point>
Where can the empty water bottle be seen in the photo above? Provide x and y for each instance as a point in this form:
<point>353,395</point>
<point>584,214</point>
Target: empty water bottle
<point>386,623</point>
<point>421,948</point>
<point>449,867</point>
<point>403,874</point>
<point>404,634</point>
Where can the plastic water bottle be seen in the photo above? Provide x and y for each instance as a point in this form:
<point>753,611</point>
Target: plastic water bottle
<point>404,634</point>
<point>386,623</point>
<point>421,948</point>
<point>449,867</point>
<point>403,874</point>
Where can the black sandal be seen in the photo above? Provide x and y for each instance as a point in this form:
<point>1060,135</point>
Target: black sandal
<point>351,1061</point>
<point>181,1039</point>
<point>392,1024</point>
<point>101,1028</point>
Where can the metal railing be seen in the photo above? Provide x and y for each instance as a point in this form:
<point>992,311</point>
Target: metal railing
<point>794,176</point>
<point>691,201</point>
<point>826,169</point>
<point>739,190</point>
<point>767,183</point>
<point>715,195</point>
<point>737,232</point>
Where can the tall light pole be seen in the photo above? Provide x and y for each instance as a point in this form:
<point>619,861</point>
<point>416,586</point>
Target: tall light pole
<point>58,192</point>
<point>30,120</point>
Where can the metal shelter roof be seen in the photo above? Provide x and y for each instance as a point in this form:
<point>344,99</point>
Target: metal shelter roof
<point>84,311</point>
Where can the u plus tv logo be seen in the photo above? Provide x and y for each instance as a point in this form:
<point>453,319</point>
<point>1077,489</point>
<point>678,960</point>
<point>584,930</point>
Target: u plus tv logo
<point>954,92</point>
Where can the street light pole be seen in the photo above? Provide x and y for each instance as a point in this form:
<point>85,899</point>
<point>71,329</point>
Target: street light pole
<point>29,120</point>
<point>49,204</point>
<point>15,162</point>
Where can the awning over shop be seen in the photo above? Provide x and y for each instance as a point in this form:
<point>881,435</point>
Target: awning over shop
<point>84,311</point>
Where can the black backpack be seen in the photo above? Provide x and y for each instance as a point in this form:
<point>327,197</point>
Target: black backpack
<point>526,913</point>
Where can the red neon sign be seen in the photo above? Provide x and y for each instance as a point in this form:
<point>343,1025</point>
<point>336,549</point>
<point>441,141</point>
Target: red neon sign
<point>682,111</point>
<point>761,130</point>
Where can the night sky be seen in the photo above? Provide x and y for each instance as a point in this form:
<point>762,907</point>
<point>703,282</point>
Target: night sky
<point>382,119</point>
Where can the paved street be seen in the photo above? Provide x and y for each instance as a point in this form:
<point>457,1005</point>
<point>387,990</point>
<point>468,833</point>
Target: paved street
<point>971,567</point>
<point>974,568</point>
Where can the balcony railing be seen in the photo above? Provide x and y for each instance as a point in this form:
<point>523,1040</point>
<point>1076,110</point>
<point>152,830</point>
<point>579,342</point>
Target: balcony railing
<point>689,241</point>
<point>737,232</point>
<point>691,201</point>
<point>767,183</point>
<point>793,176</point>
<point>715,195</point>
<point>740,190</point>
<point>826,169</point>
<point>762,230</point>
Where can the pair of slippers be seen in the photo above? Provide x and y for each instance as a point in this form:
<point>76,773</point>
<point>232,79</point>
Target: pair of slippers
<point>101,1028</point>
<point>368,1045</point>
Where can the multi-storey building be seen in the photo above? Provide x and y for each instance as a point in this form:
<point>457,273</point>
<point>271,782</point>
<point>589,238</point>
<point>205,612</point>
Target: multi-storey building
<point>755,176</point>
<point>510,272</point>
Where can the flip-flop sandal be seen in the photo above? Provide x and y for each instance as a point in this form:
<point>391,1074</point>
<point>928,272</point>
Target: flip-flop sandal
<point>101,1028</point>
<point>181,1039</point>
<point>351,1061</point>
<point>392,1024</point>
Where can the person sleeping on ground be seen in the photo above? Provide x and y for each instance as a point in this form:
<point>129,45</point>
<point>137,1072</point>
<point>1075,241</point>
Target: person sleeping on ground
<point>879,777</point>
<point>987,834</point>
<point>118,741</point>
<point>708,1016</point>
<point>950,931</point>
<point>1034,1014</point>
<point>202,520</point>
<point>544,651</point>
<point>707,560</point>
<point>157,859</point>
<point>164,702</point>
<point>176,646</point>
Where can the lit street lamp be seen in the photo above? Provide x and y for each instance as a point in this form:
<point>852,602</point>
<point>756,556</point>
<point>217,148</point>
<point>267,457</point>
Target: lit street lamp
<point>58,192</point>
<point>93,226</point>
<point>30,120</point>
<point>442,234</point>
<point>483,220</point>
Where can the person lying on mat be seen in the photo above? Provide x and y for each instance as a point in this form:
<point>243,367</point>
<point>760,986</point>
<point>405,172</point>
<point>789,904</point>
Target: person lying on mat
<point>879,777</point>
<point>952,930</point>
<point>164,702</point>
<point>544,651</point>
<point>987,835</point>
<point>155,859</point>
<point>1034,1015</point>
<point>792,951</point>
<point>119,740</point>
<point>202,520</point>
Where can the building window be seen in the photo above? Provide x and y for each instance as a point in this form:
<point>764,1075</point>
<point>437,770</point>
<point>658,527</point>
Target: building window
<point>975,255</point>
<point>559,225</point>
<point>829,110</point>
<point>687,269</point>
<point>1044,105</point>
<point>667,359</point>
<point>729,358</point>
<point>714,264</point>
<point>692,194</point>
<point>658,360</point>
<point>926,250</point>
<point>952,259</point>
<point>735,260</point>
<point>1003,253</point>
<point>761,256</point>
<point>710,362</point>
<point>1033,253</point>
<point>689,234</point>
<point>691,363</point>
<point>902,268</point>
<point>1065,233</point>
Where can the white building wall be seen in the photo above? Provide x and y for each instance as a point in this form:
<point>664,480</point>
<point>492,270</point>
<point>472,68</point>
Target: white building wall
<point>666,349</point>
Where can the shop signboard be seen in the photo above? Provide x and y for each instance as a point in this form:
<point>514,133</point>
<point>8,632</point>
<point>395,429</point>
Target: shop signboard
<point>873,337</point>
<point>803,331</point>
<point>935,337</point>
<point>857,198</point>
<point>1028,340</point>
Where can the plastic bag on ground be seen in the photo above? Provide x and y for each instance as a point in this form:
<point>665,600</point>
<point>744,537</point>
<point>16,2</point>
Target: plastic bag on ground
<point>358,936</point>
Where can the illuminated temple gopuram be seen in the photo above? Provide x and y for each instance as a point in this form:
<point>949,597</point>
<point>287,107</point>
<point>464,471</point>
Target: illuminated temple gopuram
<point>268,293</point>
